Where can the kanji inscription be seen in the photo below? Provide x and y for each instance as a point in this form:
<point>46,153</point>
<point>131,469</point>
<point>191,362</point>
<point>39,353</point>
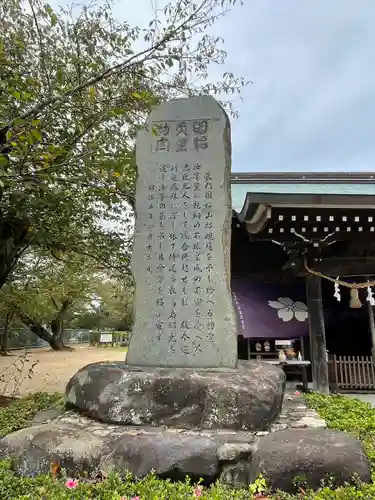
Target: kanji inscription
<point>183,308</point>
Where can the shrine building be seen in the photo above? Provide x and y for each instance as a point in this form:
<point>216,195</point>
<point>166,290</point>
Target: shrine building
<point>303,273</point>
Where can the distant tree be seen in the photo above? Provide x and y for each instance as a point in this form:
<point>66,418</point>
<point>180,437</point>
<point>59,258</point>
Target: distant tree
<point>5,329</point>
<point>74,90</point>
<point>111,309</point>
<point>44,292</point>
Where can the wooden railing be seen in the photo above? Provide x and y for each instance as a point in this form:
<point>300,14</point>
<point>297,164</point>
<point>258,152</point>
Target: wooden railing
<point>351,373</point>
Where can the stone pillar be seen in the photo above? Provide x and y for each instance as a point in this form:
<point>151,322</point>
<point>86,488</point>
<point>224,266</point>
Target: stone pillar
<point>184,316</point>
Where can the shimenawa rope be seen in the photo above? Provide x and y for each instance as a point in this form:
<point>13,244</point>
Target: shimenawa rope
<point>338,281</point>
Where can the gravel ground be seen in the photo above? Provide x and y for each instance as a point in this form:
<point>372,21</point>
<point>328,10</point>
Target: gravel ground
<point>53,369</point>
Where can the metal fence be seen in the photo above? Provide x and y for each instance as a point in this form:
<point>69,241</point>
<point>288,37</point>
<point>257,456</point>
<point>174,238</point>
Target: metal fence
<point>24,338</point>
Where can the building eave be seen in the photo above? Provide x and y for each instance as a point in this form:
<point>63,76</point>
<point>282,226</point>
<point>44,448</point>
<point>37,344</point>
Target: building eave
<point>264,202</point>
<point>310,217</point>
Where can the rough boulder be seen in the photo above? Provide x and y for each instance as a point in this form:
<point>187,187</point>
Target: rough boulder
<point>248,398</point>
<point>310,455</point>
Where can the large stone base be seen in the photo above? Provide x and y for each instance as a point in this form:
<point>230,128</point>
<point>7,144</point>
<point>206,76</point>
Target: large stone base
<point>248,398</point>
<point>81,445</point>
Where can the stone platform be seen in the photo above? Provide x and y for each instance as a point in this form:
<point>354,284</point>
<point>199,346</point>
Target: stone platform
<point>177,422</point>
<point>248,398</point>
<point>79,444</point>
<point>214,425</point>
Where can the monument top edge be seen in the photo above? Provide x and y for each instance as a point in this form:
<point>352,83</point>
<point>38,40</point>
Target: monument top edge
<point>206,106</point>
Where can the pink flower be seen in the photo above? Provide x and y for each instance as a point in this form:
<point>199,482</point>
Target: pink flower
<point>198,491</point>
<point>71,483</point>
<point>133,498</point>
<point>297,393</point>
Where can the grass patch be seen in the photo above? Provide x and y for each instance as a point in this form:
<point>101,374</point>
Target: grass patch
<point>20,413</point>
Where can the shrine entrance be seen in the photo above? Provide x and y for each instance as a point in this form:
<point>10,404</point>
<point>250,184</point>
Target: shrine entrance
<point>322,241</point>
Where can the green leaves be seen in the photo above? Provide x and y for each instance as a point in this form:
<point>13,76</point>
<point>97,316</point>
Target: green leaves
<point>35,133</point>
<point>92,92</point>
<point>59,158</point>
<point>20,122</point>
<point>54,19</point>
<point>60,76</point>
<point>3,161</point>
<point>16,94</point>
<point>74,94</point>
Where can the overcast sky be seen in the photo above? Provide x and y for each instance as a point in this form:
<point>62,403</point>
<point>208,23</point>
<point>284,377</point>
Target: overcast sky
<point>312,62</point>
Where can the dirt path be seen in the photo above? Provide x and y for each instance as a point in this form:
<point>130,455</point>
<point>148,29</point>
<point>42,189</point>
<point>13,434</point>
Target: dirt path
<point>53,370</point>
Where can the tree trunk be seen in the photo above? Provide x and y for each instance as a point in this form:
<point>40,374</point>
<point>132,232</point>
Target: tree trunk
<point>5,334</point>
<point>57,324</point>
<point>54,340</point>
<point>14,239</point>
<point>14,233</point>
<point>57,328</point>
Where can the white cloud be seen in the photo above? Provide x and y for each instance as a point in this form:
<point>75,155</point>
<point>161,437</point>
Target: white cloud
<point>312,104</point>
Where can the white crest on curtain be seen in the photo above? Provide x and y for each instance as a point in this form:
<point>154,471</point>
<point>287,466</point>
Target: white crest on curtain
<point>287,309</point>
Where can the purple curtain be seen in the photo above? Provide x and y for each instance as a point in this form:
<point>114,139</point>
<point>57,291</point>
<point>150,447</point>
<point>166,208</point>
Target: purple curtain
<point>268,310</point>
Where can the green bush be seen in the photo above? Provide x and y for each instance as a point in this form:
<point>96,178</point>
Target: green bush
<point>112,488</point>
<point>116,488</point>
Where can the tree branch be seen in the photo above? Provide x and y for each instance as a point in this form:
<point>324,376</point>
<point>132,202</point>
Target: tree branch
<point>134,60</point>
<point>65,306</point>
<point>41,46</point>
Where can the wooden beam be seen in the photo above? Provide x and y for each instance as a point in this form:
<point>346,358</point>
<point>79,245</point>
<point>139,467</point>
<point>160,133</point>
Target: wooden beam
<point>318,347</point>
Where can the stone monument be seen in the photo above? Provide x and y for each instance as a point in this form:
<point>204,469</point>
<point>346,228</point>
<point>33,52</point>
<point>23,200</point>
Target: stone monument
<point>181,404</point>
<point>184,315</point>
